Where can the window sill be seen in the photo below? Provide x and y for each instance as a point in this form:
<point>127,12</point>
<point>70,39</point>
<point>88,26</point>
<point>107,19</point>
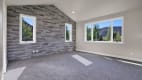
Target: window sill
<point>68,41</point>
<point>27,42</point>
<point>101,42</point>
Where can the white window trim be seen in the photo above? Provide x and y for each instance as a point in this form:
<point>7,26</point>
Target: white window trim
<point>111,41</point>
<point>70,33</point>
<point>20,31</point>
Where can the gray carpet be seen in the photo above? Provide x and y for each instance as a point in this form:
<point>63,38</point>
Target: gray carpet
<point>64,67</point>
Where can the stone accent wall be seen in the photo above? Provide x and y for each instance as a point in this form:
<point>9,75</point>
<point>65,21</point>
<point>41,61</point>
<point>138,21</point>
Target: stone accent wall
<point>50,31</point>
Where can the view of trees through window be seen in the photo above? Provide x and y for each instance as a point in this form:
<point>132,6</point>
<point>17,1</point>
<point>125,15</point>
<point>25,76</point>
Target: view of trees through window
<point>27,29</point>
<point>67,33</point>
<point>117,30</point>
<point>102,31</point>
<point>110,30</point>
<point>89,28</point>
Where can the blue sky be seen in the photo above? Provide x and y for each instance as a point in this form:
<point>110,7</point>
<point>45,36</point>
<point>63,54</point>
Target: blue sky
<point>89,25</point>
<point>117,22</point>
<point>104,24</point>
<point>68,28</point>
<point>28,20</point>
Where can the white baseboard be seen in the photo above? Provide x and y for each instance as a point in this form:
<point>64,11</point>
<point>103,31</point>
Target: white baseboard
<point>107,54</point>
<point>2,76</point>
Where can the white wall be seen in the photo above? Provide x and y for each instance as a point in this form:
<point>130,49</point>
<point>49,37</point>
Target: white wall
<point>2,37</point>
<point>132,45</point>
<point>1,41</point>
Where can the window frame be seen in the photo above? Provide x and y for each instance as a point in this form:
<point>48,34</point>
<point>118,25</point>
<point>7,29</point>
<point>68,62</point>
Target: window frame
<point>70,32</point>
<point>111,40</point>
<point>20,29</point>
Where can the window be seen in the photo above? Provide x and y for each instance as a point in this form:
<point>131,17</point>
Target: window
<point>27,29</point>
<point>68,32</point>
<point>102,31</point>
<point>89,32</point>
<point>117,30</point>
<point>105,31</point>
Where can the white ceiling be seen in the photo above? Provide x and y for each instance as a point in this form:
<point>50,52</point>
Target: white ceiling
<point>84,9</point>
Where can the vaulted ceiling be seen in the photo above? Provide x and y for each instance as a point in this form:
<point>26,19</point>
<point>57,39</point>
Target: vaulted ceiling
<point>80,10</point>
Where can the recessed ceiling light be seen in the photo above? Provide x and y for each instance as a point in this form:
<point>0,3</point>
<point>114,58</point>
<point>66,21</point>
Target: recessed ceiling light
<point>73,12</point>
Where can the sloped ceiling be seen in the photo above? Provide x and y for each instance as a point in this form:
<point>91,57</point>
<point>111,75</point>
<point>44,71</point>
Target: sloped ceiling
<point>84,9</point>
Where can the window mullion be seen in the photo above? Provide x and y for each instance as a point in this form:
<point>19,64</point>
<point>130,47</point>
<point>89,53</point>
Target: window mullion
<point>70,34</point>
<point>85,33</point>
<point>111,31</point>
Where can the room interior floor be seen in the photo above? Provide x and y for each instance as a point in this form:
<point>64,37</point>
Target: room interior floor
<point>64,66</point>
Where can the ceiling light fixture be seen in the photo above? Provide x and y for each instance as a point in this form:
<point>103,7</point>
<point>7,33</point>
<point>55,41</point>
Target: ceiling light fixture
<point>73,12</point>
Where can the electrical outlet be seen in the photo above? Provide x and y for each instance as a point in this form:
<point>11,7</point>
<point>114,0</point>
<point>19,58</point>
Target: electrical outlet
<point>34,51</point>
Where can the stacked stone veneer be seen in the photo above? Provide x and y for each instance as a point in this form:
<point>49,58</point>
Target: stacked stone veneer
<point>50,31</point>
